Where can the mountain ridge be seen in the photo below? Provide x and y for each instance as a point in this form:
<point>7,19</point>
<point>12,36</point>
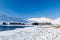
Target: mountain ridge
<point>9,18</point>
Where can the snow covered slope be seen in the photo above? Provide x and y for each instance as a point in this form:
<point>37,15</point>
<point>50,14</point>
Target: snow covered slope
<point>31,33</point>
<point>8,18</point>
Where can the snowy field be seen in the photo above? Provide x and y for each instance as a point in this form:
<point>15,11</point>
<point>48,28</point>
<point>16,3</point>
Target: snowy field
<point>31,33</point>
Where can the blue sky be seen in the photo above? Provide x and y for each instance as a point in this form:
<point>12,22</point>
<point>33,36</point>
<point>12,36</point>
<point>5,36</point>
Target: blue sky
<point>30,8</point>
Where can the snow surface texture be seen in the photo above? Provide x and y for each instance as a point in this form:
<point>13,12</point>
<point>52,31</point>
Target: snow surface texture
<point>31,33</point>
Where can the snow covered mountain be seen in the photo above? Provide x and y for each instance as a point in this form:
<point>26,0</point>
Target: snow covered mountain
<point>8,19</point>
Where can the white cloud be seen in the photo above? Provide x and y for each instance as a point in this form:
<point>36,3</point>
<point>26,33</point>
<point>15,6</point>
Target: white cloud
<point>43,19</point>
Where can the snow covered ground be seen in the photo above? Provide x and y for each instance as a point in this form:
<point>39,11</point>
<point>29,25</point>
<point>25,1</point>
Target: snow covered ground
<point>31,33</point>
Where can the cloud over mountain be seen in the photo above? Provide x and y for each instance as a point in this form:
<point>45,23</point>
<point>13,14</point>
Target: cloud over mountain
<point>44,19</point>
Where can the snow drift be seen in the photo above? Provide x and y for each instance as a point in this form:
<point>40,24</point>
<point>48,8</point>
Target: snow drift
<point>32,33</point>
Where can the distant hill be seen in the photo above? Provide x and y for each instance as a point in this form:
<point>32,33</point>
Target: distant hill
<point>8,18</point>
